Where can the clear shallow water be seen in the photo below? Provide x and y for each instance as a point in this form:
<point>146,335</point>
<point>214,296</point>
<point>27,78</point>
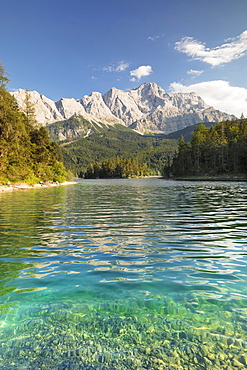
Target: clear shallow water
<point>124,274</point>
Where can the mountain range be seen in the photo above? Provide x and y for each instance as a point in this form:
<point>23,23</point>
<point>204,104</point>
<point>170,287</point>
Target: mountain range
<point>146,109</point>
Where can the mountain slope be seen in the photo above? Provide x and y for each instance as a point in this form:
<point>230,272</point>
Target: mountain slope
<point>111,141</point>
<point>73,128</point>
<point>147,108</point>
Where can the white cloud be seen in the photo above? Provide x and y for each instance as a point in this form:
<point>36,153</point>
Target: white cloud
<point>219,94</point>
<point>141,72</point>
<point>120,67</point>
<point>234,48</point>
<point>194,73</point>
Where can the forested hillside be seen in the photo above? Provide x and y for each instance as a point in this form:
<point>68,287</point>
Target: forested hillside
<point>26,152</point>
<point>222,149</point>
<point>118,141</point>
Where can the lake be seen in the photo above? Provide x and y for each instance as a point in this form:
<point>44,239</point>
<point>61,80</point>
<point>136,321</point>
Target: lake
<point>124,274</point>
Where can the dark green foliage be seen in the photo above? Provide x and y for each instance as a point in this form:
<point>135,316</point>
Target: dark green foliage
<point>26,153</point>
<point>187,132</point>
<point>3,77</point>
<point>222,149</point>
<point>117,141</point>
<point>117,167</point>
<point>29,111</point>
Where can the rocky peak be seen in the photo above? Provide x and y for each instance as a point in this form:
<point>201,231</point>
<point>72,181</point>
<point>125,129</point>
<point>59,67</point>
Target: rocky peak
<point>45,109</point>
<point>146,108</point>
<point>68,107</point>
<point>122,105</point>
<point>150,88</point>
<point>95,106</point>
<point>148,97</point>
<point>187,101</point>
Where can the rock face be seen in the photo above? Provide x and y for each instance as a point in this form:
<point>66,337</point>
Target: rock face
<point>150,108</point>
<point>147,108</point>
<point>47,111</point>
<point>122,105</point>
<point>96,107</point>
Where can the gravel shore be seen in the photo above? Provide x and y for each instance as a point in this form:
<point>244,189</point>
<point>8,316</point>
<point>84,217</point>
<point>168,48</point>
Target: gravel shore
<point>24,186</point>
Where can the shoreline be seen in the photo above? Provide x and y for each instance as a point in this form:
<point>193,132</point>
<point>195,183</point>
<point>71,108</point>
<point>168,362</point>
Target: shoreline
<point>25,186</point>
<point>211,179</point>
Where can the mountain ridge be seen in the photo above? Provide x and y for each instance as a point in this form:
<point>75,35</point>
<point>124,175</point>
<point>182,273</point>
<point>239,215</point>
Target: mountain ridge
<point>147,108</point>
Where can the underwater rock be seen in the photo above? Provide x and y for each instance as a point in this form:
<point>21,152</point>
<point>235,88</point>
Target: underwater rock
<point>105,336</point>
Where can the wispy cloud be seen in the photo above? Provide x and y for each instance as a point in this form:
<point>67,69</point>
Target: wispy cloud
<point>219,94</point>
<point>140,72</point>
<point>120,67</point>
<point>234,48</point>
<point>153,38</point>
<point>194,73</point>
<point>110,68</point>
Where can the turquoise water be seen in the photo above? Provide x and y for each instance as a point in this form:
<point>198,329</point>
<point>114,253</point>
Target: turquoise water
<point>124,274</point>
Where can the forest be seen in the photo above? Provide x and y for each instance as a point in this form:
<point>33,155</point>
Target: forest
<point>117,141</point>
<point>221,149</point>
<point>117,168</point>
<point>26,152</point>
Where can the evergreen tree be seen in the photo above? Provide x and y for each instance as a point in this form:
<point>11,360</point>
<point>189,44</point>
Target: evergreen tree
<point>199,147</point>
<point>3,77</point>
<point>220,150</point>
<point>26,153</point>
<point>29,110</point>
<point>117,168</point>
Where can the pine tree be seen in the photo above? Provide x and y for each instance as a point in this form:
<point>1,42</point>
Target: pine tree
<point>26,153</point>
<point>3,76</point>
<point>29,110</point>
<point>221,150</point>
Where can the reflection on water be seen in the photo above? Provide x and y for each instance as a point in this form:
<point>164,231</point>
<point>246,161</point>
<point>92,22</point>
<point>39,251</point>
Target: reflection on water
<point>124,274</point>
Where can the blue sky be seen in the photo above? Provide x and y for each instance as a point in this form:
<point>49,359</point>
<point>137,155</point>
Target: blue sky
<point>69,48</point>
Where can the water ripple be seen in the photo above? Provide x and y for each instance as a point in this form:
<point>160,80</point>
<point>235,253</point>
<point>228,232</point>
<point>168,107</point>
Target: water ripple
<point>118,250</point>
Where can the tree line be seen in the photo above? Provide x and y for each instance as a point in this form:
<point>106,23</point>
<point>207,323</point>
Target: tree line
<point>222,149</point>
<point>117,168</point>
<point>26,152</point>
